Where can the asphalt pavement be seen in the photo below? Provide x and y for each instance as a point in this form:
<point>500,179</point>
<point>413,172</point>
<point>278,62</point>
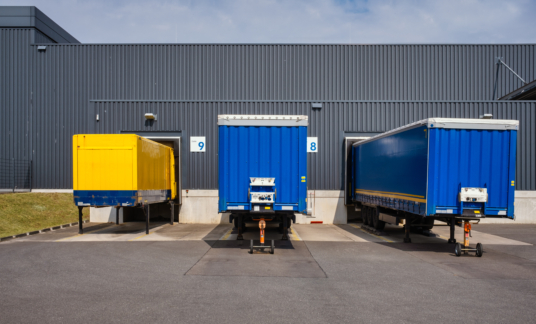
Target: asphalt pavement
<point>189,273</point>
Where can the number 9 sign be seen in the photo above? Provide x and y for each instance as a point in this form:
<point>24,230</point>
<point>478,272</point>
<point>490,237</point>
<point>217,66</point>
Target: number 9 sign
<point>312,144</point>
<point>197,144</point>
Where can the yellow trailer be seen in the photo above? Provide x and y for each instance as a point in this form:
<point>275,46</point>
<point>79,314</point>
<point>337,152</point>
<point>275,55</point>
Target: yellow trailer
<point>122,170</point>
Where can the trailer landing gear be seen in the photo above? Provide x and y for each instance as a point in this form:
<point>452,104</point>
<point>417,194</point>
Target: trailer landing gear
<point>285,228</point>
<point>407,229</point>
<point>262,226</point>
<point>80,224</point>
<point>452,223</point>
<point>465,249</point>
<point>240,227</point>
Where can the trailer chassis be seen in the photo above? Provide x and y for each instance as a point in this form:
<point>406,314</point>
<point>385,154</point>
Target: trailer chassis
<point>285,221</point>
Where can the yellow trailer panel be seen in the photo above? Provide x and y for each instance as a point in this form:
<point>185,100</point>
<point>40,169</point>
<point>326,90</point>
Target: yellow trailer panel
<point>121,170</point>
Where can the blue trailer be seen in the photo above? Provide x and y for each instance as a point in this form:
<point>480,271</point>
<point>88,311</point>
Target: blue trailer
<point>262,168</point>
<point>446,169</point>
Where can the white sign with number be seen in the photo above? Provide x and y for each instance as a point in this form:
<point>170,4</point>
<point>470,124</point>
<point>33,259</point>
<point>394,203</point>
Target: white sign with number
<point>197,143</point>
<point>312,144</point>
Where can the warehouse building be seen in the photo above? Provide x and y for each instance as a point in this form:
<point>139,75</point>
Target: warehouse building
<point>52,87</point>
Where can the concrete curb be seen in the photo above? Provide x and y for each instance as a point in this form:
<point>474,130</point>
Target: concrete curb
<point>48,229</point>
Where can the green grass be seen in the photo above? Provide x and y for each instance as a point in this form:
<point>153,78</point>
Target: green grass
<point>26,212</point>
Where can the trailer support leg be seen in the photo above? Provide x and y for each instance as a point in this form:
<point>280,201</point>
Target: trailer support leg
<point>407,229</point>
<point>285,228</point>
<point>80,224</point>
<point>117,215</point>
<point>452,240</point>
<point>147,215</point>
<point>240,227</point>
<point>172,205</point>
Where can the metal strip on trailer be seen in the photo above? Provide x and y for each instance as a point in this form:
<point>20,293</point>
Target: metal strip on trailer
<point>452,123</point>
<point>263,120</point>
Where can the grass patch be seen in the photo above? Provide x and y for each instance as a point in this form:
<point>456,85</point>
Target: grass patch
<point>26,212</point>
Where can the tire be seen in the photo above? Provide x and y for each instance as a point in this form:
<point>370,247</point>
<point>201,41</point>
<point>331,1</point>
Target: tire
<point>429,223</point>
<point>251,247</point>
<point>377,223</point>
<point>370,216</point>
<point>272,247</point>
<point>479,250</point>
<point>458,249</point>
<point>364,215</point>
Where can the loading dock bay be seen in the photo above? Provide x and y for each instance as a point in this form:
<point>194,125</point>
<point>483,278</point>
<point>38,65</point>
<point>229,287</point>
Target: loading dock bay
<point>324,273</point>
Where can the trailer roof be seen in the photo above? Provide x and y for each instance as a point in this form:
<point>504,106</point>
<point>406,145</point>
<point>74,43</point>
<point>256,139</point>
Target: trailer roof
<point>452,123</point>
<point>263,120</point>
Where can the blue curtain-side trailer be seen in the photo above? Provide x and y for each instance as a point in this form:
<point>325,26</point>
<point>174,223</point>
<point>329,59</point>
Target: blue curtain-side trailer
<point>445,169</point>
<point>262,168</point>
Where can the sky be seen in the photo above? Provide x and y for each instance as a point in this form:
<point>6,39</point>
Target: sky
<point>299,21</point>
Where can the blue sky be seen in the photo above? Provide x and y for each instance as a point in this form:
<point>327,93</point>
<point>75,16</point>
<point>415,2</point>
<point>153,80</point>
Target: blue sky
<point>307,21</point>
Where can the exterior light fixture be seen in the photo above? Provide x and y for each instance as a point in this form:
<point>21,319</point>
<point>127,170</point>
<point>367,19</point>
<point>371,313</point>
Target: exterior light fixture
<point>317,105</point>
<point>41,48</point>
<point>151,116</point>
<point>486,116</point>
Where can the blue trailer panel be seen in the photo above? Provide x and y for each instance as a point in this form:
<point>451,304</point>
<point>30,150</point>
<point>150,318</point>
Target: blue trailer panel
<point>439,167</point>
<point>255,149</point>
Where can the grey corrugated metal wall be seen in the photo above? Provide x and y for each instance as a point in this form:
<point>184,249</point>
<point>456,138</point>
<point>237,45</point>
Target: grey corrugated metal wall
<point>46,96</point>
<point>284,72</point>
<point>328,124</point>
<point>41,38</point>
<point>15,92</point>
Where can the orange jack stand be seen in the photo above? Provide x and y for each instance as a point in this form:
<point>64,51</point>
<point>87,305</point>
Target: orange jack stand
<point>262,226</point>
<point>465,249</point>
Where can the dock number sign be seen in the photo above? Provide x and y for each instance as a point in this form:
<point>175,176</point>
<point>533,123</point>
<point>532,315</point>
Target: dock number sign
<point>312,144</point>
<point>197,144</point>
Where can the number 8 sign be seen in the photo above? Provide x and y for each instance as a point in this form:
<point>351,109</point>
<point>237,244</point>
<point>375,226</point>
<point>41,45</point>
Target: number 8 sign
<point>197,143</point>
<point>312,144</point>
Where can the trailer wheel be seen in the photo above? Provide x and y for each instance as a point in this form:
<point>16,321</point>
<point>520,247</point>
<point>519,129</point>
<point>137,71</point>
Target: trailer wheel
<point>272,248</point>
<point>429,223</point>
<point>364,215</point>
<point>370,216</point>
<point>458,249</point>
<point>377,223</point>
<point>479,250</point>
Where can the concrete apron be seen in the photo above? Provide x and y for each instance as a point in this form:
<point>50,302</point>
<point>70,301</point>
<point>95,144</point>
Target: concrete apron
<point>201,207</point>
<point>211,233</point>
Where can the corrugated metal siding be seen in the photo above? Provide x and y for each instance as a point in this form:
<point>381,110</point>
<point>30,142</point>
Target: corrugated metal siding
<point>46,96</point>
<point>468,158</point>
<point>325,170</point>
<point>252,151</point>
<point>14,92</point>
<point>286,72</point>
<point>40,38</point>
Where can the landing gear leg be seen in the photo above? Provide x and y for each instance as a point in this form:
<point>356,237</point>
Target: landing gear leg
<point>117,215</point>
<point>407,229</point>
<point>452,240</point>
<point>147,215</point>
<point>285,228</point>
<point>172,205</point>
<point>80,226</point>
<point>240,227</point>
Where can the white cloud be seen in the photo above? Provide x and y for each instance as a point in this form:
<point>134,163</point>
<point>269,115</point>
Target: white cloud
<point>299,21</point>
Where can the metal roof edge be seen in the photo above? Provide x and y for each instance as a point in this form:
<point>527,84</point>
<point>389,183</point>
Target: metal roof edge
<point>313,44</point>
<point>315,101</point>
